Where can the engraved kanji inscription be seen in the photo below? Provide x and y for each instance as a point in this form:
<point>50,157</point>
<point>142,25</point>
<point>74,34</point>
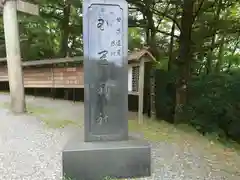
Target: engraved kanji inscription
<point>103,55</point>
<point>100,24</point>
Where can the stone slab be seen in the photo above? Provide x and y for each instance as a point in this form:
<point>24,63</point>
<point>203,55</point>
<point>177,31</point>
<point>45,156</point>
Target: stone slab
<point>98,160</point>
<point>105,32</point>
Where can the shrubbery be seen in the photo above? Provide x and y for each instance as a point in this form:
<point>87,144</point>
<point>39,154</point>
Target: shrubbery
<point>214,104</point>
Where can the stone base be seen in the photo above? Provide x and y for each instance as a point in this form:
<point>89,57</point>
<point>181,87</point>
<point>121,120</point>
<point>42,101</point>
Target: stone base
<point>98,160</point>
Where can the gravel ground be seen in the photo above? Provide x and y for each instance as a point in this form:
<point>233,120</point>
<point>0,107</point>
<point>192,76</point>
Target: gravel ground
<point>29,150</point>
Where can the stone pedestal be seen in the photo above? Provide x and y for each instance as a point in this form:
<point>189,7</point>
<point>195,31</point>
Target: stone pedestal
<point>98,160</point>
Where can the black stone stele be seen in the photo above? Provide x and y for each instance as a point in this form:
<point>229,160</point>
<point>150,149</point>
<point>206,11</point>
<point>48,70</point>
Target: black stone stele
<point>107,150</point>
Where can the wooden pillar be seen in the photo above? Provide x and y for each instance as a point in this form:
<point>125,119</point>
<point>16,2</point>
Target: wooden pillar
<point>66,94</point>
<point>35,92</point>
<point>152,94</point>
<point>14,62</point>
<point>74,97</point>
<point>141,91</point>
<point>52,76</point>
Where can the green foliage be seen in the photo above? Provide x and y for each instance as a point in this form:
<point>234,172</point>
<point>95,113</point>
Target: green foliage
<point>232,61</point>
<point>165,94</point>
<point>214,106</point>
<point>135,38</point>
<point>163,64</point>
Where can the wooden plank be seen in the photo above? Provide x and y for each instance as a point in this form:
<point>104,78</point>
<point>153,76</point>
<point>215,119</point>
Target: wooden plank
<point>36,70</point>
<point>77,59</point>
<point>63,79</point>
<point>53,61</point>
<point>37,86</point>
<point>70,86</point>
<point>33,74</point>
<point>3,74</point>
<point>73,69</point>
<point>66,82</point>
<point>37,75</point>
<point>133,93</point>
<point>26,7</point>
<point>38,79</point>
<point>37,82</point>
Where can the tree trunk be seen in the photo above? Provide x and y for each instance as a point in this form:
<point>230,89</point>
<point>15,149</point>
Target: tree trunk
<point>184,58</point>
<point>65,29</point>
<point>214,30</point>
<point>72,48</point>
<point>210,55</point>
<point>147,35</point>
<point>171,57</point>
<point>220,55</point>
<point>151,41</point>
<point>200,59</point>
<point>152,35</point>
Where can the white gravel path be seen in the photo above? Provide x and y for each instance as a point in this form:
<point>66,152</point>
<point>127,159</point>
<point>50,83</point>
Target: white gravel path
<point>30,151</point>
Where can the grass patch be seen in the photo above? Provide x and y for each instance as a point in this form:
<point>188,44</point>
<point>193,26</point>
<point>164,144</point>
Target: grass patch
<point>5,105</point>
<point>160,130</point>
<point>157,131</point>
<point>35,110</point>
<point>48,116</point>
<point>4,92</point>
<point>56,123</point>
<point>39,110</point>
<point>225,153</point>
<point>153,130</point>
<point>51,118</point>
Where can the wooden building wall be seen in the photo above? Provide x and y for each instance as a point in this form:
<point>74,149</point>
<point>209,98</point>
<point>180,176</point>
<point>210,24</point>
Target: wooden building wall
<point>3,74</point>
<point>68,80</point>
<point>49,77</point>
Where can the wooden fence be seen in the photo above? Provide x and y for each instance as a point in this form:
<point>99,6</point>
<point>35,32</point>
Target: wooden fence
<point>68,73</point>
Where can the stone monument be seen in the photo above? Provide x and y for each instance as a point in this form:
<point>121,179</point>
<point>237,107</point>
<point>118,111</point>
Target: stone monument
<point>107,150</point>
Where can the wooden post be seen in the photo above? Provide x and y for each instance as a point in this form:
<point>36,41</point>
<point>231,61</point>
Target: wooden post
<point>141,91</point>
<point>23,6</point>
<point>52,79</point>
<point>152,94</point>
<point>74,97</point>
<point>15,74</point>
<point>12,44</point>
